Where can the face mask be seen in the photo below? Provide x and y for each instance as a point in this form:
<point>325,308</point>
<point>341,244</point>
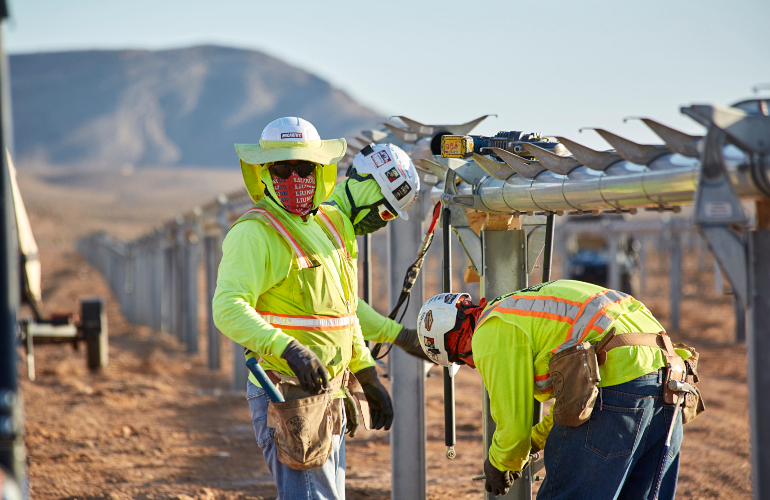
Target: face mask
<point>460,338</point>
<point>295,193</point>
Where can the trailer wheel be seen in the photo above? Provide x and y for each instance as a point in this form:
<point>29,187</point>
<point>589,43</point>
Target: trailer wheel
<point>94,327</point>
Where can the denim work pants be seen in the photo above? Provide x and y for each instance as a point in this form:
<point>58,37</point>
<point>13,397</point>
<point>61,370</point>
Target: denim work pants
<point>616,453</point>
<point>323,483</point>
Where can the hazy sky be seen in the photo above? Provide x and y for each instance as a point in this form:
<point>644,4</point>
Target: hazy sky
<point>551,67</point>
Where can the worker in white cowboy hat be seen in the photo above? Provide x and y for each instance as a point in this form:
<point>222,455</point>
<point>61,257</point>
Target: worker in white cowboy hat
<point>287,292</point>
<point>610,432</point>
<point>381,185</point>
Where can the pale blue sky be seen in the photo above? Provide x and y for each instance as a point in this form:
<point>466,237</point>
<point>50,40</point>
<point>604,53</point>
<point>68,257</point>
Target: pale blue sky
<point>541,66</point>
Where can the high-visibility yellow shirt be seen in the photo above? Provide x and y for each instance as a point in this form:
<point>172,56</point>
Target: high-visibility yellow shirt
<point>518,334</point>
<point>256,262</point>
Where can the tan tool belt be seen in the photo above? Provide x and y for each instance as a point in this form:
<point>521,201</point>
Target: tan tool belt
<point>305,424</point>
<point>575,375</point>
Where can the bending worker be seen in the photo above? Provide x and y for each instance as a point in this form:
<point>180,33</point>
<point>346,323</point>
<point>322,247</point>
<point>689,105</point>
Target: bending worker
<point>287,292</point>
<point>537,341</point>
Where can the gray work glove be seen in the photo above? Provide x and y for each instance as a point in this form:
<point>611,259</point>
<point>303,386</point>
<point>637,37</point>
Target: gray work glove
<point>380,406</point>
<point>407,340</point>
<point>312,374</point>
<point>497,482</point>
<point>351,411</point>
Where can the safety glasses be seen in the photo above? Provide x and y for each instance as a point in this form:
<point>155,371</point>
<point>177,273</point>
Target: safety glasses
<point>283,169</point>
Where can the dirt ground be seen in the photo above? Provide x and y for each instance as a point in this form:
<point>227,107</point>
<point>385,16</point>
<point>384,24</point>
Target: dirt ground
<point>157,424</point>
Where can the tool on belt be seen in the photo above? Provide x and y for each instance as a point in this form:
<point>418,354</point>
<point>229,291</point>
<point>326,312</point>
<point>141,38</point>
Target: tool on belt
<point>575,375</point>
<point>680,389</point>
<point>305,424</point>
<point>264,380</point>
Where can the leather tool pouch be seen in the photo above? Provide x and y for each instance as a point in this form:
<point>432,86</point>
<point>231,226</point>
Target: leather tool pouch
<point>575,377</point>
<point>675,370</point>
<point>303,430</point>
<point>305,425</point>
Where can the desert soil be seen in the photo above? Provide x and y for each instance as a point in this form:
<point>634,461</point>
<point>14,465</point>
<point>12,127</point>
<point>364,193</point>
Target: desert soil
<point>157,424</point>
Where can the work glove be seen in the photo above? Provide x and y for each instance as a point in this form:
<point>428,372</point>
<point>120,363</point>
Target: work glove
<point>312,374</point>
<point>351,412</point>
<point>380,407</point>
<point>407,340</point>
<point>370,223</point>
<point>497,482</point>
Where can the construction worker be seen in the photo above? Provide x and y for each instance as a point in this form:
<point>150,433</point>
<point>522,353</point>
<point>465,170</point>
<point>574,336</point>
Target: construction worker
<point>287,292</point>
<point>512,340</point>
<point>381,184</point>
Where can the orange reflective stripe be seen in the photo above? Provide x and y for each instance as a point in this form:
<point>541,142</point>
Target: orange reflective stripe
<point>337,236</point>
<point>553,308</point>
<point>536,314</point>
<point>304,262</point>
<point>591,313</point>
<point>599,316</point>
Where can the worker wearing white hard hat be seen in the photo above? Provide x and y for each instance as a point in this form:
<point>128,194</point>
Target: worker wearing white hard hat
<point>381,185</point>
<point>287,292</point>
<point>583,346</point>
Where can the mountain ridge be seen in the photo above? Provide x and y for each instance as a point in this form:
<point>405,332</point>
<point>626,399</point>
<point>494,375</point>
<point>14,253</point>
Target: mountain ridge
<point>182,106</point>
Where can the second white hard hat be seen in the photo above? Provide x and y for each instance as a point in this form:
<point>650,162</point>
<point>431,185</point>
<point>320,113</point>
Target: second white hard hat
<point>438,317</point>
<point>393,171</point>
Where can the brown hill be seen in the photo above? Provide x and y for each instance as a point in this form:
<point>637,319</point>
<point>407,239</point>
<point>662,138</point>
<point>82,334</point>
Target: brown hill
<point>172,107</point>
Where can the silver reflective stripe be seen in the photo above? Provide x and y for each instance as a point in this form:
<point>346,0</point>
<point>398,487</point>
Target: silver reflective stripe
<point>544,385</point>
<point>536,305</point>
<point>591,309</point>
<point>309,322</point>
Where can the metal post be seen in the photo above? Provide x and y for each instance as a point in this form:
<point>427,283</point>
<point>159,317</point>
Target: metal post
<point>11,420</point>
<point>450,433</point>
<point>614,278</point>
<point>407,373</point>
<point>719,283</point>
<point>675,277</point>
<point>758,351</point>
<point>740,321</point>
<point>504,261</point>
<point>190,293</point>
<point>166,288</point>
<point>213,248</point>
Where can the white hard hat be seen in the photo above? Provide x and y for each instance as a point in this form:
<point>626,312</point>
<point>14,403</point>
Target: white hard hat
<point>438,317</point>
<point>394,172</point>
<point>290,128</point>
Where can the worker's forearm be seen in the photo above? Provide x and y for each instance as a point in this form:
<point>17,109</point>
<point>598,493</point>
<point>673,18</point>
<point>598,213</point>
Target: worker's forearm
<point>374,326</point>
<point>541,430</point>
<point>236,319</point>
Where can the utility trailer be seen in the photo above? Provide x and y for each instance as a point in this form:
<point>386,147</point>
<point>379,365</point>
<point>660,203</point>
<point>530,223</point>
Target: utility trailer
<point>89,326</point>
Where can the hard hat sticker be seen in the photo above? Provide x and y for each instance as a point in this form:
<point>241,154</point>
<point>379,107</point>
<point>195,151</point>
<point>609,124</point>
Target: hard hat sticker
<point>291,135</point>
<point>428,320</point>
<point>392,175</point>
<point>429,342</point>
<point>402,191</point>
<point>450,299</point>
<point>380,158</point>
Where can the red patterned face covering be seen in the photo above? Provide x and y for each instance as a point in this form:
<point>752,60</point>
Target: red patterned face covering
<point>296,193</point>
<point>459,340</point>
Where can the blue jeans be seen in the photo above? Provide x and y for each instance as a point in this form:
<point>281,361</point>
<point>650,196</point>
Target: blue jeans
<point>616,453</point>
<point>324,483</point>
